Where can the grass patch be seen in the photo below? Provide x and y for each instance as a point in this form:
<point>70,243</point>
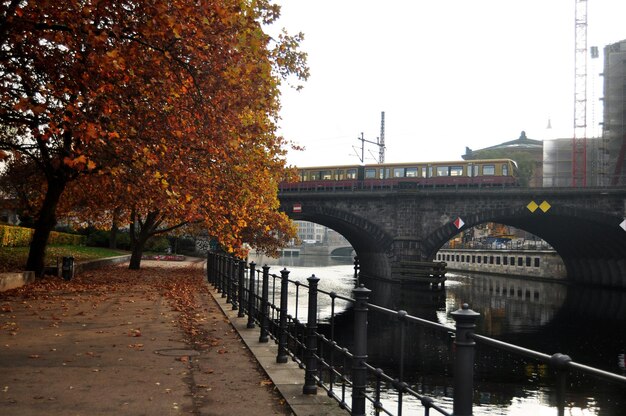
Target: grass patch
<point>13,259</point>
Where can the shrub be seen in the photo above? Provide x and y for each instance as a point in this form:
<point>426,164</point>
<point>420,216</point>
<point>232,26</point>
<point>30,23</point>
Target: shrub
<point>11,236</point>
<point>98,238</point>
<point>157,244</point>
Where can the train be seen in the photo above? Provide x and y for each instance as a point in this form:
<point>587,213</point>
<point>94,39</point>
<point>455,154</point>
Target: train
<point>469,173</point>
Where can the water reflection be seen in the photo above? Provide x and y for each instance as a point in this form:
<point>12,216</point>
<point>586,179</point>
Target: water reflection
<point>589,324</point>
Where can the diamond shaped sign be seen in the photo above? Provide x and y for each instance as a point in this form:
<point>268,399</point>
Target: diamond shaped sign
<point>545,206</point>
<point>458,223</point>
<point>623,225</point>
<point>532,206</point>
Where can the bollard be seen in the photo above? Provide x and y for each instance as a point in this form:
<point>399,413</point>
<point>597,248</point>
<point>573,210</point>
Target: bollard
<point>281,357</point>
<point>240,287</point>
<point>359,370</point>
<point>465,319</point>
<point>265,305</point>
<point>67,268</point>
<point>310,361</point>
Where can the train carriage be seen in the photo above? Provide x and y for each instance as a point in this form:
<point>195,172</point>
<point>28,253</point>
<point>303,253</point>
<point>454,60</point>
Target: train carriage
<point>487,172</point>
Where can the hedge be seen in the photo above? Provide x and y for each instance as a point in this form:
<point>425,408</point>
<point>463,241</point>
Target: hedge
<point>11,236</point>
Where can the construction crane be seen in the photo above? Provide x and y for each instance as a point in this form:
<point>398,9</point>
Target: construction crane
<point>579,141</point>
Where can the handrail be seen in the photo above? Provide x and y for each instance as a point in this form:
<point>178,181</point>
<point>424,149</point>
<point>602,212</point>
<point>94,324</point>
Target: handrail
<point>341,372</point>
<point>558,360</point>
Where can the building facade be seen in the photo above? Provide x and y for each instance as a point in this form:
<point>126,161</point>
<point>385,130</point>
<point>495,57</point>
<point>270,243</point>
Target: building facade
<point>614,123</point>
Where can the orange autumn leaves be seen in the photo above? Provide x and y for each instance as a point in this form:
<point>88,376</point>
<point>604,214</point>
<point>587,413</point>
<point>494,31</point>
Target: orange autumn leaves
<point>144,105</point>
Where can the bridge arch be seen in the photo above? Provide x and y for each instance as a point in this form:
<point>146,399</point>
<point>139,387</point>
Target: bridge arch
<point>371,243</point>
<point>590,242</point>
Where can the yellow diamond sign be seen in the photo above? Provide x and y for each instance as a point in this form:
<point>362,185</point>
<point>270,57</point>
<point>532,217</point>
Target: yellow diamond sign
<point>532,206</point>
<point>545,206</point>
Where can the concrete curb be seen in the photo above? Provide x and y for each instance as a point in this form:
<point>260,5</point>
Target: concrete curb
<point>19,279</point>
<point>14,280</point>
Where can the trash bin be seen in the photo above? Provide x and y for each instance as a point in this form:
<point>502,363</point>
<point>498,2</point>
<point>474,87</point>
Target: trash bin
<point>67,268</point>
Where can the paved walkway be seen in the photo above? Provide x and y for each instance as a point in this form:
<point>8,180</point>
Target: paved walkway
<point>148,342</point>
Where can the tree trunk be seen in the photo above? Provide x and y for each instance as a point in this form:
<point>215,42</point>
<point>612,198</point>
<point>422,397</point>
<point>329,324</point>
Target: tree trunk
<point>44,224</point>
<point>138,238</point>
<point>137,254</point>
<point>114,229</point>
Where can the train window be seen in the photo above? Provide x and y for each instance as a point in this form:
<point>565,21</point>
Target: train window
<point>505,170</point>
<point>430,172</point>
<point>384,173</point>
<point>398,172</point>
<point>475,170</point>
<point>423,171</point>
<point>370,173</point>
<point>302,175</point>
<point>489,170</point>
<point>456,170</point>
<point>315,176</point>
<point>411,172</point>
<point>339,175</point>
<point>442,171</point>
<point>351,174</point>
<point>326,175</point>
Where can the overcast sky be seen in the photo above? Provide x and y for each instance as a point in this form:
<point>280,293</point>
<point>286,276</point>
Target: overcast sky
<point>447,73</point>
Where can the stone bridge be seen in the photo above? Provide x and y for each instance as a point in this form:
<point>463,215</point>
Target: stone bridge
<point>388,227</point>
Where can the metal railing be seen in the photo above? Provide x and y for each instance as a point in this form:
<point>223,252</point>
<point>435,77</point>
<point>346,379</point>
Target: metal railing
<point>344,374</point>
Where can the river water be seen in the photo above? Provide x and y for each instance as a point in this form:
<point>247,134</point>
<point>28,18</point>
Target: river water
<point>588,324</point>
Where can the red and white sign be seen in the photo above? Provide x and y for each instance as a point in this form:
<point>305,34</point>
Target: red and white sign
<point>458,223</point>
<point>297,208</point>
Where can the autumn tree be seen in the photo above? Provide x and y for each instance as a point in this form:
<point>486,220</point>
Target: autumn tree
<point>169,103</point>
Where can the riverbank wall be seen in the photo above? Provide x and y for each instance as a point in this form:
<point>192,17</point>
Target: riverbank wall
<point>528,263</point>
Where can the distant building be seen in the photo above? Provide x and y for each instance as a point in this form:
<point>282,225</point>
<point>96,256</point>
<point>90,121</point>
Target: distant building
<point>312,233</point>
<point>528,153</point>
<point>557,162</point>
<point>614,123</point>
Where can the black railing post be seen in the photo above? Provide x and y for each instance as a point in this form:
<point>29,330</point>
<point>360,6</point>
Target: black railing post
<point>218,270</point>
<point>234,278</point>
<point>359,370</point>
<point>356,271</point>
<point>310,361</point>
<point>250,323</point>
<point>229,279</point>
<point>559,362</point>
<point>265,305</point>
<point>223,276</point>
<point>209,258</point>
<point>465,319</point>
<point>242,266</point>
<point>281,357</point>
